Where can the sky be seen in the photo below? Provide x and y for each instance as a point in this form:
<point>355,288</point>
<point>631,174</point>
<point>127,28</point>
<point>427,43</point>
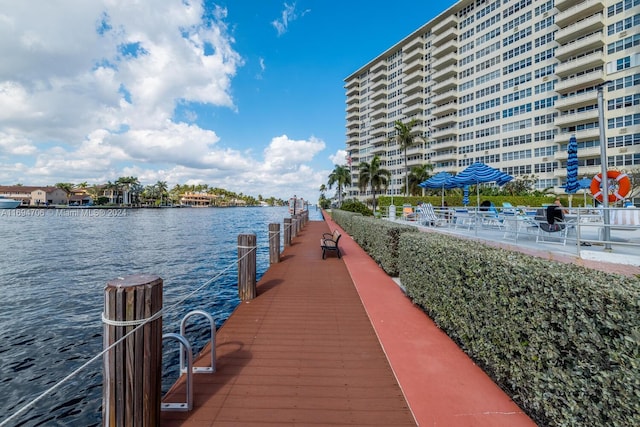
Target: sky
<point>243,95</point>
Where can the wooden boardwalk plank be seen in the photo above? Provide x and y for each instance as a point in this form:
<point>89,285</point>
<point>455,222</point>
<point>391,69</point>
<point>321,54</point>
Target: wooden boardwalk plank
<point>302,353</point>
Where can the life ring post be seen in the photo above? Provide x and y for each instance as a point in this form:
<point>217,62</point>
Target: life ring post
<point>617,192</point>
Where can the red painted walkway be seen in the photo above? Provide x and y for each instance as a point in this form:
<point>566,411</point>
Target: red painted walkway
<point>336,342</point>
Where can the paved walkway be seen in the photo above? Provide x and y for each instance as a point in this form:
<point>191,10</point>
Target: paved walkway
<point>335,342</point>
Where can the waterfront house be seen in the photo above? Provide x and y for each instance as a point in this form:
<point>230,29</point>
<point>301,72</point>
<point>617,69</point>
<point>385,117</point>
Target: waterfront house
<point>35,196</point>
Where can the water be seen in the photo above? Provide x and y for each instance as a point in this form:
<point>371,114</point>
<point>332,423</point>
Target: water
<point>53,269</point>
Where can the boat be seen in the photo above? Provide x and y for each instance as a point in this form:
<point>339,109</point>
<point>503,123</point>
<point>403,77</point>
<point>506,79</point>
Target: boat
<point>6,203</point>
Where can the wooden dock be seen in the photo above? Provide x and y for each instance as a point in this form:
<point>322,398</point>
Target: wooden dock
<point>335,342</point>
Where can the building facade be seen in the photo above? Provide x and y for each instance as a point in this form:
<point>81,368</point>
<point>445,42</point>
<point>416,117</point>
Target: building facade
<point>507,83</point>
<point>35,196</point>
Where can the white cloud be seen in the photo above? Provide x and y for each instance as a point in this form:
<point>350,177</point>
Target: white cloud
<point>89,91</point>
<point>289,14</point>
<point>339,158</point>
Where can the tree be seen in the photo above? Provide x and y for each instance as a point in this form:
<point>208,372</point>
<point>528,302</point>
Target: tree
<point>419,174</point>
<point>340,176</point>
<point>161,188</point>
<point>372,174</point>
<point>405,139</point>
<point>67,187</point>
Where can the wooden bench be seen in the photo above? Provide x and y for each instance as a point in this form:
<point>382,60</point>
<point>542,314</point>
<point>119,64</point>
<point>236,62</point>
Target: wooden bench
<point>329,242</point>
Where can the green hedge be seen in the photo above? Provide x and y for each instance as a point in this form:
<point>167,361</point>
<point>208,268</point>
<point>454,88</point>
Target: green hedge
<point>562,340</point>
<point>380,239</point>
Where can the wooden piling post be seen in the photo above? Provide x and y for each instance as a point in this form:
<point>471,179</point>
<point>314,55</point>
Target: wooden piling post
<point>294,226</point>
<point>274,243</point>
<point>131,392</point>
<point>246,266</point>
<point>287,231</point>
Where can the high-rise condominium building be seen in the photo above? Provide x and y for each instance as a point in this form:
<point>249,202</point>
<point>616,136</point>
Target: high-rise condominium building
<point>504,82</point>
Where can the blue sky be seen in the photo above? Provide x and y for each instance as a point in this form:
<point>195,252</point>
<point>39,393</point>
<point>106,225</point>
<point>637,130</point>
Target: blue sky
<point>243,95</point>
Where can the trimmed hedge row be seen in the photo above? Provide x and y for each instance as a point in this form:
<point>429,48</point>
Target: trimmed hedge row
<point>380,239</point>
<point>562,340</point>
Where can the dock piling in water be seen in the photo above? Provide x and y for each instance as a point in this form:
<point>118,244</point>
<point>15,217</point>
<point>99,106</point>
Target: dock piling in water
<point>274,243</point>
<point>132,369</point>
<point>287,231</point>
<point>246,266</point>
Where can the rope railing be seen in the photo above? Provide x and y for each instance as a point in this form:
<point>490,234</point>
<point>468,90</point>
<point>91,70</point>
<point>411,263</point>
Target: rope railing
<point>290,229</point>
<point>138,325</point>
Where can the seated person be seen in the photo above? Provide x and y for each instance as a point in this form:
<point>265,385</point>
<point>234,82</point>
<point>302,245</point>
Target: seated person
<point>555,217</point>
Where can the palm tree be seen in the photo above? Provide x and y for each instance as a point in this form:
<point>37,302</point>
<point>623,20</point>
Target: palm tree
<point>161,188</point>
<point>372,173</point>
<point>406,140</point>
<point>66,187</point>
<point>341,176</point>
<point>417,175</point>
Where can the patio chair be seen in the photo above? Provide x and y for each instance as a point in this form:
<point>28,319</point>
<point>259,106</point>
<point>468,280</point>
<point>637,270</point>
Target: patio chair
<point>407,213</point>
<point>489,216</point>
<point>427,215</point>
<point>551,224</point>
<point>464,218</point>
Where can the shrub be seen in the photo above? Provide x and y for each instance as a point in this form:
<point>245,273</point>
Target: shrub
<point>562,340</point>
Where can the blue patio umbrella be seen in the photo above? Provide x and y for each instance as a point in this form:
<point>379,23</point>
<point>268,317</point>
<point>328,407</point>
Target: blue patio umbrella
<point>439,180</point>
<point>572,185</point>
<point>479,173</point>
<point>465,195</point>
<point>585,184</point>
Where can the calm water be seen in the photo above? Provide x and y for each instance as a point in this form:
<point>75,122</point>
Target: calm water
<point>53,269</point>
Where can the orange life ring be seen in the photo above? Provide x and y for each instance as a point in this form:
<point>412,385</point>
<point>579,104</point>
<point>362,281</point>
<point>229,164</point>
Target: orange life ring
<point>621,189</point>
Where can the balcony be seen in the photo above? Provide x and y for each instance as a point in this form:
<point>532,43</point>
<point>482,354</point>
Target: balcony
<point>589,79</point>
<point>445,97</point>
<point>413,77</point>
<point>353,90</point>
<point>581,135</point>
<point>577,118</point>
<point>577,101</point>
<point>414,87</point>
<point>591,42</point>
<point>448,132</point>
<point>445,120</point>
<point>444,86</point>
<point>578,12</point>
<point>445,73</point>
<point>413,98</point>
<point>355,82</point>
<point>379,131</point>
<point>379,86</point>
<point>580,28</point>
<point>445,61</point>
<point>416,109</point>
<point>444,144</point>
<point>379,103</point>
<point>353,115</point>
<point>450,21</point>
<point>448,108</point>
<point>441,156</point>
<point>381,74</point>
<point>416,42</point>
<point>440,51</point>
<point>380,93</point>
<point>378,66</point>
<point>351,108</point>
<point>413,56</point>
<point>446,37</point>
<point>380,121</point>
<point>353,131</point>
<point>574,66</point>
<point>415,66</point>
